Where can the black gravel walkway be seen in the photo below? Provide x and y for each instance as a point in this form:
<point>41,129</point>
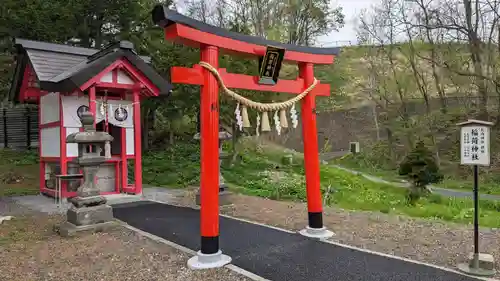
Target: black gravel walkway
<point>274,254</point>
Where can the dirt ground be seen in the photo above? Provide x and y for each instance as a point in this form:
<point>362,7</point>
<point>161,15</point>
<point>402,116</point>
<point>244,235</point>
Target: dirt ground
<point>30,251</point>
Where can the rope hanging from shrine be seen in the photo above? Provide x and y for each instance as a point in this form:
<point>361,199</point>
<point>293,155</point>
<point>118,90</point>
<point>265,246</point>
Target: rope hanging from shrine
<point>280,120</point>
<point>114,112</point>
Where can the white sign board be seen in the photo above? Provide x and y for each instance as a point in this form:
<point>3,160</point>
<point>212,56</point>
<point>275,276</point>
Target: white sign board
<point>475,145</point>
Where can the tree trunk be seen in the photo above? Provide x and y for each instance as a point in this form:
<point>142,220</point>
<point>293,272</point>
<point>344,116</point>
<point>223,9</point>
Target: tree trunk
<point>145,129</point>
<point>375,120</point>
<point>497,87</point>
<point>475,54</point>
<point>171,138</point>
<point>148,121</point>
<point>390,140</point>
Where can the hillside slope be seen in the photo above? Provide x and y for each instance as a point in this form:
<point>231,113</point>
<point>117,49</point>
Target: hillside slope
<point>361,73</point>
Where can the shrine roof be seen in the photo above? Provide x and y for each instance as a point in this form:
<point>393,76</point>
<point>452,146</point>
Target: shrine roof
<point>64,68</point>
<point>165,17</point>
<point>472,122</point>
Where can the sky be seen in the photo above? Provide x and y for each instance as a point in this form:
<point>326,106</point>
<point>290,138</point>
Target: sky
<point>347,34</point>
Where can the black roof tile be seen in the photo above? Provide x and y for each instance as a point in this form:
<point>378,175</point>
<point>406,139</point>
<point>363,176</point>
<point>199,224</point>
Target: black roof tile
<point>164,17</point>
<point>64,68</point>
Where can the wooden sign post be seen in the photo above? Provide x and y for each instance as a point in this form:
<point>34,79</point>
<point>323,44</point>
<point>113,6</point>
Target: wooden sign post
<point>475,152</point>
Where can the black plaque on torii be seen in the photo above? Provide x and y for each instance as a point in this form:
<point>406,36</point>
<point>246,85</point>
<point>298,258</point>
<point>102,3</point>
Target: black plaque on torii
<point>270,65</point>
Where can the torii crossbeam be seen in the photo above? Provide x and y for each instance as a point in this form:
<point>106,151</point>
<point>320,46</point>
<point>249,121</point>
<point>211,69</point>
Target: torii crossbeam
<point>211,40</point>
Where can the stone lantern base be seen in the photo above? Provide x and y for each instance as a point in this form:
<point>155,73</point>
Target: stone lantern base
<point>224,197</point>
<point>68,229</point>
<point>80,218</point>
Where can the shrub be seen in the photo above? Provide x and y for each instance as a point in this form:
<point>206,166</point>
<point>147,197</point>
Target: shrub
<point>421,169</point>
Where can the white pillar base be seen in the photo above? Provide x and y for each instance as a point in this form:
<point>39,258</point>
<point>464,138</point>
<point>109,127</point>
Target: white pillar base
<point>318,233</point>
<point>204,261</point>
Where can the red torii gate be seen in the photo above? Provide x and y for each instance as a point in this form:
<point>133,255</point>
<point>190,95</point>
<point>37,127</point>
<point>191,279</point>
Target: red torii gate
<point>210,39</point>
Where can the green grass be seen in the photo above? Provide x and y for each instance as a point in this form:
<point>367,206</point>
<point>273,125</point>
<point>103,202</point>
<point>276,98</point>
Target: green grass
<point>487,184</point>
<point>356,164</point>
<point>177,166</point>
<point>18,173</point>
<point>260,173</point>
<point>18,191</point>
<point>355,192</point>
<point>487,187</point>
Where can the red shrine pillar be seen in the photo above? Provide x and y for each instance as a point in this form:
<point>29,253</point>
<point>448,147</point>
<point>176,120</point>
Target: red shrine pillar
<point>137,142</point>
<point>63,163</point>
<point>209,255</point>
<point>311,159</point>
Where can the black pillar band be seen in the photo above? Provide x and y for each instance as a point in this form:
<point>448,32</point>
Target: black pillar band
<point>315,219</point>
<point>209,245</point>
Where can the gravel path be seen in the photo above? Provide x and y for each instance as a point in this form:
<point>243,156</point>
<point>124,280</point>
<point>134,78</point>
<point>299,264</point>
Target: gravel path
<point>30,251</point>
<point>434,242</point>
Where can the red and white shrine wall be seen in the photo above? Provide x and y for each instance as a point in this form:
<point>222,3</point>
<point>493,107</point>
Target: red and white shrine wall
<point>59,115</point>
<point>105,111</point>
<point>50,130</point>
<point>121,78</point>
<point>50,118</point>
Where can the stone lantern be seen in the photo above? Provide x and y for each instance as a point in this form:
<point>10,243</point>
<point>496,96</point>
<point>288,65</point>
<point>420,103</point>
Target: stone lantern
<point>89,211</point>
<point>223,193</point>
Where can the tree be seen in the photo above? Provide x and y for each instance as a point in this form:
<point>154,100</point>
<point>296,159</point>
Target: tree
<point>471,28</point>
<point>307,20</point>
<point>35,20</point>
<point>165,120</point>
<point>381,31</point>
<point>92,23</point>
<point>420,168</point>
<point>425,16</point>
<point>99,22</point>
<point>87,23</point>
<point>290,21</point>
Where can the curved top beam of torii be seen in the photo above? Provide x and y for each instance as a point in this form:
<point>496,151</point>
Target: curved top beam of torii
<point>193,33</point>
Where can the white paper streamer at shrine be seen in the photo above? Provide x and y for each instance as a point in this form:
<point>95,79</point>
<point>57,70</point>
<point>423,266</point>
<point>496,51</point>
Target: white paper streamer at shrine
<point>293,116</point>
<point>120,113</point>
<point>257,129</point>
<point>239,119</point>
<point>100,112</point>
<point>277,123</point>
